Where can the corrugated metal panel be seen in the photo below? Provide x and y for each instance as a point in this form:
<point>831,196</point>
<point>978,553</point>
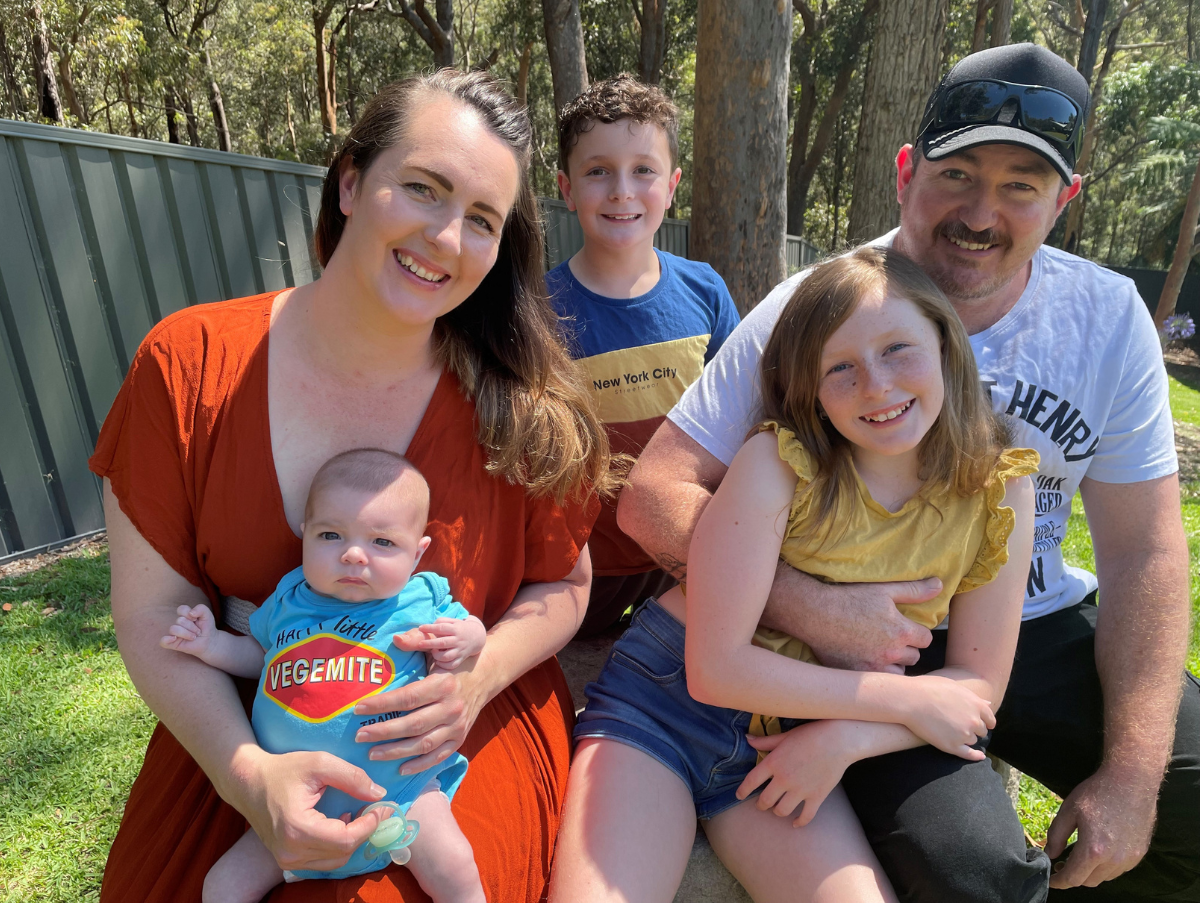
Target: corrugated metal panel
<point>101,237</point>
<point>800,254</point>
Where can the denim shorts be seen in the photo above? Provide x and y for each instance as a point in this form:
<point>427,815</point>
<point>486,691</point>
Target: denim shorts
<point>641,699</point>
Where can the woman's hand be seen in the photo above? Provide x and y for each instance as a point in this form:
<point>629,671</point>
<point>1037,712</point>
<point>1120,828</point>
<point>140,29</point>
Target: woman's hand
<point>802,766</point>
<point>441,711</point>
<point>281,793</point>
<point>946,714</point>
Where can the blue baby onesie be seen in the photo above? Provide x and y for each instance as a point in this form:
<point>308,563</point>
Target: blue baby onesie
<point>322,657</point>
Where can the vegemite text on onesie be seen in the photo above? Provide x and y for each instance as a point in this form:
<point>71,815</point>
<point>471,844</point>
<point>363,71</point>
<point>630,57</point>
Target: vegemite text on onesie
<point>322,676</point>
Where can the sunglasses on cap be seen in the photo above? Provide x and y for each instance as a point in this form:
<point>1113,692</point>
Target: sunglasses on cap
<point>1045,112</point>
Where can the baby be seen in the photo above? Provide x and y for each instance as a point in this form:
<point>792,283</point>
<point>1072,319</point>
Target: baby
<point>331,634</point>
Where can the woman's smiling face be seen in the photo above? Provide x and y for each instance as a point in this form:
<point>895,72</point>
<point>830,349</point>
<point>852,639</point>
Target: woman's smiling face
<point>881,376</point>
<point>423,223</point>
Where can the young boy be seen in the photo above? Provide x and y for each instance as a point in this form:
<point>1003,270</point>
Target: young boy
<point>641,321</point>
<point>344,626</point>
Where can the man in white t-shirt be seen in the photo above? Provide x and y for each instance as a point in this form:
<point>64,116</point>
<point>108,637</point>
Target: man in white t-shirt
<point>1067,349</point>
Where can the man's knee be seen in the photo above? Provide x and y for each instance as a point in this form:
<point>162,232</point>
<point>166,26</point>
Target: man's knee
<point>945,830</point>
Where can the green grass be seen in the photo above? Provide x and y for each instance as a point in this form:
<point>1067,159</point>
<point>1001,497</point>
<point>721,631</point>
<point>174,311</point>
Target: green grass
<point>74,730</point>
<point>73,735</point>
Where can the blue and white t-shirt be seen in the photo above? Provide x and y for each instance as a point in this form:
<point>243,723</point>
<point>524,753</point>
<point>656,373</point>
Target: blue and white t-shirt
<point>1076,364</point>
<point>323,656</point>
<point>639,355</point>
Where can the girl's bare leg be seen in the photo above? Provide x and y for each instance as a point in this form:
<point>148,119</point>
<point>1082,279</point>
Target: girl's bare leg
<point>245,874</point>
<point>627,828</point>
<point>826,861</point>
<point>442,859</point>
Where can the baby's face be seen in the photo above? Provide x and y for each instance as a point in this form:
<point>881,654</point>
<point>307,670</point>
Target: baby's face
<point>360,546</point>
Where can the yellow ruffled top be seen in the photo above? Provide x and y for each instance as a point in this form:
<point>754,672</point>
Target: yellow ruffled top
<point>964,541</point>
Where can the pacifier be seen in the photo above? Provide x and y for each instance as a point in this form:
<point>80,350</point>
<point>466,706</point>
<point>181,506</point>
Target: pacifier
<point>393,835</point>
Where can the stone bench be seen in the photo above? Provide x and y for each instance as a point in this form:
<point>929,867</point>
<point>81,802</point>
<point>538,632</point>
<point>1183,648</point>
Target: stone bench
<point>706,880</point>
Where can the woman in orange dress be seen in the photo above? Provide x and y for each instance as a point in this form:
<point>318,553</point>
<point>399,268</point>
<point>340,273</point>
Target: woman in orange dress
<point>428,333</point>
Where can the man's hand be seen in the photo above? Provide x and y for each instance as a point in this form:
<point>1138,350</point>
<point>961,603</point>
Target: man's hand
<point>853,626</point>
<point>1114,814</point>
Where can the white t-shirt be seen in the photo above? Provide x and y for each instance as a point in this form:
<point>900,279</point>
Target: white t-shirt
<point>1077,365</point>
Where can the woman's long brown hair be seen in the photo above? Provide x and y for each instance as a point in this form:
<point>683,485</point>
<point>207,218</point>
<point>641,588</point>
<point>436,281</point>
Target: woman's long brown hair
<point>534,415</point>
<point>960,449</point>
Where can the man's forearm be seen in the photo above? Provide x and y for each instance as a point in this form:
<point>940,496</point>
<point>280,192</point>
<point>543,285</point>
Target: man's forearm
<point>674,520</point>
<point>1141,647</point>
<point>669,487</point>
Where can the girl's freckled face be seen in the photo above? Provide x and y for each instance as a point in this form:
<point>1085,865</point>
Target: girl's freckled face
<point>881,375</point>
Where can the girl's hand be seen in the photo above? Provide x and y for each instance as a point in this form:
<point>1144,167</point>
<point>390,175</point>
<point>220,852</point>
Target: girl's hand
<point>947,715</point>
<point>802,766</point>
<point>448,642</point>
<point>193,631</point>
<point>283,791</point>
<point>441,710</point>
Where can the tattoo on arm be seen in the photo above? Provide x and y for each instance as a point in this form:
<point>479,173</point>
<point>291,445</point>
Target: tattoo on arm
<point>673,566</point>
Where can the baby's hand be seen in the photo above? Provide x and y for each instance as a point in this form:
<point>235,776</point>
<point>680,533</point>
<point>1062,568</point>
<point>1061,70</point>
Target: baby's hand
<point>948,715</point>
<point>448,641</point>
<point>192,632</point>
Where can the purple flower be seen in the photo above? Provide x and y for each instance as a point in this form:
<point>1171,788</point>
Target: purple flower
<point>1177,327</point>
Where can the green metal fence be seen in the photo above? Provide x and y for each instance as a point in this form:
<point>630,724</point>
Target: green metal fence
<point>101,237</point>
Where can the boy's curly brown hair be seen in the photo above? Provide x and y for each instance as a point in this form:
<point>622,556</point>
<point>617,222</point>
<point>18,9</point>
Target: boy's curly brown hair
<point>614,99</point>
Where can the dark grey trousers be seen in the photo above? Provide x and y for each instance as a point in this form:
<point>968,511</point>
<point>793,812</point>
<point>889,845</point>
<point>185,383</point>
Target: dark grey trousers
<point>944,828</point>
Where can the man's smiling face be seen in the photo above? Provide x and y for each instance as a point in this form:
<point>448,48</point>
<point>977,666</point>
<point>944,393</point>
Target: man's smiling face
<point>973,220</point>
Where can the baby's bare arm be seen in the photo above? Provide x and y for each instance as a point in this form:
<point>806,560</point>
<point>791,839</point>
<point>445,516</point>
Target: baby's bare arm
<point>448,641</point>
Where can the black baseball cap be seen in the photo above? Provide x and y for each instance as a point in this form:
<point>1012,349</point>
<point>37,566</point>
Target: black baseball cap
<point>1019,94</point>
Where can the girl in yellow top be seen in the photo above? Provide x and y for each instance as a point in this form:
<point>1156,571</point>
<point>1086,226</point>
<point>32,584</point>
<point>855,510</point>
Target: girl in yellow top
<point>879,459</point>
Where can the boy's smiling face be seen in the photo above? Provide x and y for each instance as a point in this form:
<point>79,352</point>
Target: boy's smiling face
<point>620,181</point>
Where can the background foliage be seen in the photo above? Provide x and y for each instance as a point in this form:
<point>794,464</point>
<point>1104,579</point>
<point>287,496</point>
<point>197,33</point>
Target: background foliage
<point>117,62</point>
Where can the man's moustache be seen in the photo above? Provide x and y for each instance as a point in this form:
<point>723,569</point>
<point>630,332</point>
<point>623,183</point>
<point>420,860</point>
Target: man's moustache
<point>959,231</point>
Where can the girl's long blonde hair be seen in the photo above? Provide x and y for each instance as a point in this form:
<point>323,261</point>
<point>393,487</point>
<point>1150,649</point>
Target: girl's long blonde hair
<point>960,449</point>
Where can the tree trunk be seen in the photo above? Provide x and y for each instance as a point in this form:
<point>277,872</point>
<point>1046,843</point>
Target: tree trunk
<point>564,45</point>
<point>1001,23</point>
<point>68,87</point>
<point>351,110</point>
<point>134,131</point>
<point>839,168</point>
<point>739,180</point>
<point>437,31</point>
<point>1073,228</point>
<point>49,106</point>
<point>1089,46</point>
<point>1184,248</point>
<point>217,105</point>
<point>291,126</point>
<point>326,104</point>
<point>800,176</point>
<point>797,198</point>
<point>652,20</point>
<point>523,74</point>
<point>903,68</point>
<point>16,95</point>
<point>189,115</point>
<point>172,115</point>
<point>979,38</point>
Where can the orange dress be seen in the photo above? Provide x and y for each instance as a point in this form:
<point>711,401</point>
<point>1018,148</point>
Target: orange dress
<point>187,448</point>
